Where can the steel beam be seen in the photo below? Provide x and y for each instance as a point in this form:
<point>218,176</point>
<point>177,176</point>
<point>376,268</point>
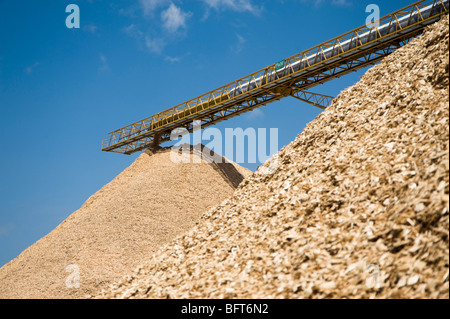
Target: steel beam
<point>291,77</point>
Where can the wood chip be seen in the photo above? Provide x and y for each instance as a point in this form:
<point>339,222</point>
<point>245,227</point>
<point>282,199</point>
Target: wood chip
<point>148,205</point>
<point>371,176</point>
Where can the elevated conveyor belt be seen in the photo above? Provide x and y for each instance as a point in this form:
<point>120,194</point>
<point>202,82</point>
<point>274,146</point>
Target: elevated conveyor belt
<point>291,77</point>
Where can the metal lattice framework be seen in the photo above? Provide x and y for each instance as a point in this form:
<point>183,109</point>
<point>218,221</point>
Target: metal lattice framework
<point>291,77</point>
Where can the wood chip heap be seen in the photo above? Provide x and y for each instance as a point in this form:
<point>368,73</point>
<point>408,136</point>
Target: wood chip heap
<point>358,208</point>
<point>149,204</point>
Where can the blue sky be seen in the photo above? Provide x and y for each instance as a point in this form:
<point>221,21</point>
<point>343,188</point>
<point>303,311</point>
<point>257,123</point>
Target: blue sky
<point>62,90</point>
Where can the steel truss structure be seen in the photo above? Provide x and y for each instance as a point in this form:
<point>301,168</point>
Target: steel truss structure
<point>293,76</point>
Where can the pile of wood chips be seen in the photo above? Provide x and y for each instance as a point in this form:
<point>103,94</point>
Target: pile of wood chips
<point>358,205</point>
<point>148,205</point>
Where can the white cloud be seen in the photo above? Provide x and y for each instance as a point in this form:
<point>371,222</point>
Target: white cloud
<point>133,31</point>
<point>236,5</point>
<point>256,114</point>
<point>127,12</point>
<point>239,46</point>
<point>150,5</point>
<point>172,59</point>
<point>104,66</point>
<point>174,18</point>
<point>337,3</point>
<point>31,68</point>
<point>341,3</point>
<point>91,28</point>
<point>155,45</point>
